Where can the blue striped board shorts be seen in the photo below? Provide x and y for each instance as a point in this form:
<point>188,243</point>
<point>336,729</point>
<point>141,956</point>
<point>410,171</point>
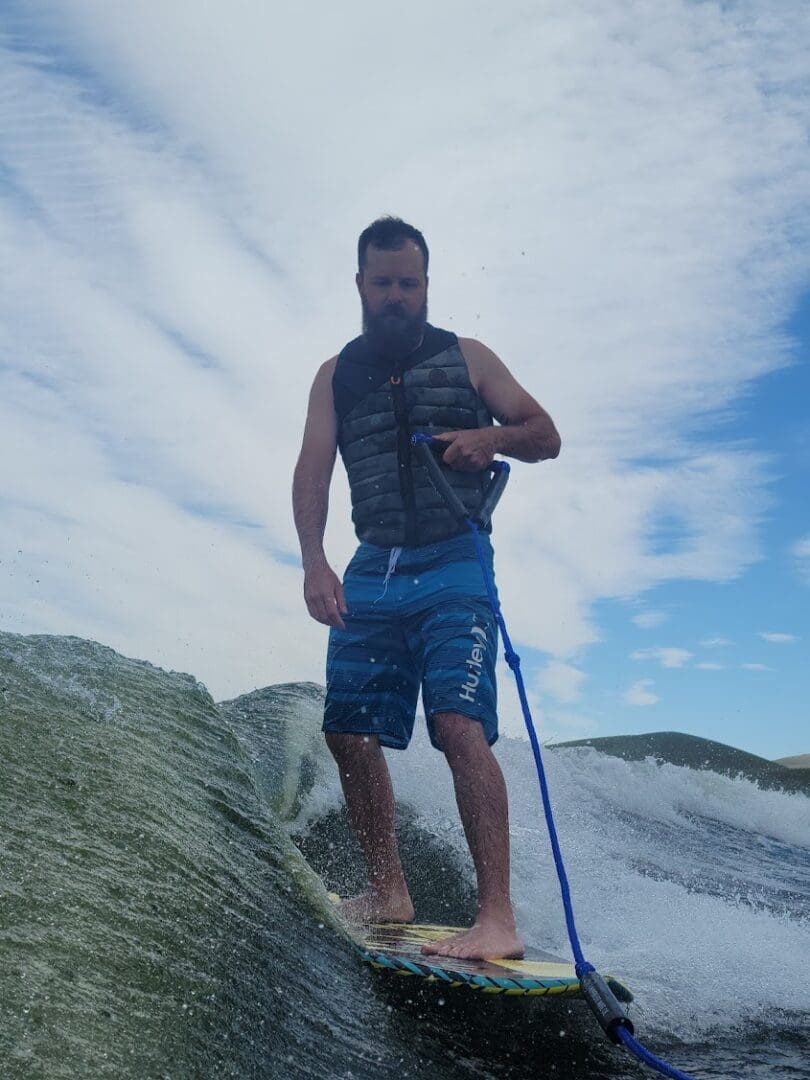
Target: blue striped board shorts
<point>418,617</point>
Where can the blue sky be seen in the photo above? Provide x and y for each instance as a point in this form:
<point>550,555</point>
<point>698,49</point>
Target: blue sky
<point>617,205</point>
<point>727,661</point>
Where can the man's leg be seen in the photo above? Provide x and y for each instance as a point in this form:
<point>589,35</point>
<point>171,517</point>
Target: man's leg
<point>482,802</point>
<point>369,797</point>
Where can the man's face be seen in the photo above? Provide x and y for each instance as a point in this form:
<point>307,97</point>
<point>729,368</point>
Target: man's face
<point>393,292</point>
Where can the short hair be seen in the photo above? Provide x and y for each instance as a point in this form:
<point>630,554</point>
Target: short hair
<point>389,234</point>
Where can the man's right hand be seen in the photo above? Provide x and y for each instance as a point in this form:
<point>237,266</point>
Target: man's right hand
<point>323,593</point>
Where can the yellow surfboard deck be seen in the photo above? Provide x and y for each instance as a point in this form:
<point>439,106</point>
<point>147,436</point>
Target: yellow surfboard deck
<point>396,948</point>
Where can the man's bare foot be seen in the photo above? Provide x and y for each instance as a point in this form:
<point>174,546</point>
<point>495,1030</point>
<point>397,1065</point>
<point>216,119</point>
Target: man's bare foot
<point>487,939</point>
<point>375,907</point>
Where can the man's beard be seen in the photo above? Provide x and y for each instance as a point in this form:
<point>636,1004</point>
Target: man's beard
<point>393,334</point>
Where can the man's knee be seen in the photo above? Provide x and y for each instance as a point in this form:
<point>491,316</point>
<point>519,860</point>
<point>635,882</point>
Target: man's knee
<point>459,736</point>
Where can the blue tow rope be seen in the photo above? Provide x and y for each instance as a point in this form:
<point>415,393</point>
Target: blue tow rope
<point>619,1029</point>
<point>610,1014</point>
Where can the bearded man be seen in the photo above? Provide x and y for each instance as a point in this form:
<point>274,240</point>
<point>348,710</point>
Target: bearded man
<point>412,610</point>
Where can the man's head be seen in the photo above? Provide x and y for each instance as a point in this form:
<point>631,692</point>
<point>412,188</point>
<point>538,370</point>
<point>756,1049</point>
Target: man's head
<point>392,259</point>
<point>389,234</point>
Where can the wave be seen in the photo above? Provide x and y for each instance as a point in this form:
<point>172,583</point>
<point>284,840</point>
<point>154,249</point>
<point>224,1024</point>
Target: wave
<point>157,917</point>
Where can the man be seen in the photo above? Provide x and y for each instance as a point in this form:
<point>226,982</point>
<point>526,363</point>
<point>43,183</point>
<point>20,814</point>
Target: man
<point>412,609</point>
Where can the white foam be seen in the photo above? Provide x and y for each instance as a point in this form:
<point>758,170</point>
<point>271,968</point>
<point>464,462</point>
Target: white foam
<point>695,961</point>
<point>666,792</point>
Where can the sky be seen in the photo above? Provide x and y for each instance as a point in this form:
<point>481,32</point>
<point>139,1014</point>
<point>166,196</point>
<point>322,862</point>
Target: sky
<point>617,201</point>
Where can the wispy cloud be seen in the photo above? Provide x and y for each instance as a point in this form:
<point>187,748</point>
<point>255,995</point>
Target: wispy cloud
<point>755,667</point>
<point>649,620</point>
<point>777,638</point>
<point>640,693</point>
<point>708,665</point>
<point>666,657</point>
<point>178,228</point>
<point>716,643</point>
<point>563,725</point>
<point>801,553</point>
<point>562,681</point>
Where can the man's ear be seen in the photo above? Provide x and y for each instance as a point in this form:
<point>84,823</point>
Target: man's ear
<point>358,280</point>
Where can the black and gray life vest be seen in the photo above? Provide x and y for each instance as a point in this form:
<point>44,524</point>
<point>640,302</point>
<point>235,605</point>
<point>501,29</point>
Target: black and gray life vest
<point>379,407</point>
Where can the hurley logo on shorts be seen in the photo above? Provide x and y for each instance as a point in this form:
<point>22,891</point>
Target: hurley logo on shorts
<point>474,662</point>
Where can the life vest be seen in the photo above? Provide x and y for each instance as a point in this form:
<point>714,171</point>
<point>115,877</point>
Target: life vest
<point>379,406</point>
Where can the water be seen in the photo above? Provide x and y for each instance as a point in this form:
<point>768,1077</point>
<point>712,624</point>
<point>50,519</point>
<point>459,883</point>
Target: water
<point>157,919</point>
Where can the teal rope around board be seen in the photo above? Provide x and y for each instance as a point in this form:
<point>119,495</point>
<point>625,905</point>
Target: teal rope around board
<point>608,1011</point>
<point>526,987</point>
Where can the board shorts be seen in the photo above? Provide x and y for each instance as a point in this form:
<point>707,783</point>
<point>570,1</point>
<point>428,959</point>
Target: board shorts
<point>419,618</point>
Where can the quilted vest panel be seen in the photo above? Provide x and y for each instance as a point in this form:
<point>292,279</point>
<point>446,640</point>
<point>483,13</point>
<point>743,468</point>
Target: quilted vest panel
<point>379,408</point>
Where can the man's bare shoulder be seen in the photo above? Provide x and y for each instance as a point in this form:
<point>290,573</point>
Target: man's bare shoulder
<point>320,429</point>
<point>471,347</point>
<point>481,360</point>
<point>322,383</point>
<point>327,368</point>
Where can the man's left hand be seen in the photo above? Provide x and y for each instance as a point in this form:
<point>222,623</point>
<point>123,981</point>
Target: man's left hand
<point>469,451</point>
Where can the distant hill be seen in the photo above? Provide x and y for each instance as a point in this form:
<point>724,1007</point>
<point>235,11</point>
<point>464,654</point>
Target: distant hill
<point>697,753</point>
<point>800,761</point>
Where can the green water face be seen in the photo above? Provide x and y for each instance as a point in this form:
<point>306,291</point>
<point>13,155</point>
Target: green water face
<point>280,730</point>
<point>152,911</point>
<point>157,922</point>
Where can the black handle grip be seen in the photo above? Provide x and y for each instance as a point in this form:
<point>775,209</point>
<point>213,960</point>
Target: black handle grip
<point>604,1004</point>
<point>422,446</point>
<point>493,493</point>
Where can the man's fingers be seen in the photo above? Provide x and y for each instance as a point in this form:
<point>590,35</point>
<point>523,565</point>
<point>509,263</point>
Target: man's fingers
<point>450,449</point>
<point>333,613</point>
<point>465,452</point>
<point>324,597</point>
<point>341,600</point>
<point>450,454</point>
<point>324,609</point>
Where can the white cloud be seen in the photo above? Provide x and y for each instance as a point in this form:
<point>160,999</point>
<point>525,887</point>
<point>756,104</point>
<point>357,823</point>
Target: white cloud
<point>708,665</point>
<point>576,725</point>
<point>777,638</point>
<point>640,693</point>
<point>755,667</point>
<point>179,259</point>
<point>716,643</point>
<point>801,553</point>
<point>562,681</point>
<point>666,657</point>
<point>649,620</point>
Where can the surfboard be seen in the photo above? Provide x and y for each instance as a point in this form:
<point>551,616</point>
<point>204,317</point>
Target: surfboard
<point>396,948</point>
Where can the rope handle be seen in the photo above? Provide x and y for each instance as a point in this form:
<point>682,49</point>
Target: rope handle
<point>424,446</point>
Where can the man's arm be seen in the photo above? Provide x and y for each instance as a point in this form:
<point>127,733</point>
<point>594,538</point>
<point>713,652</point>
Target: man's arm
<point>323,591</point>
<point>524,431</point>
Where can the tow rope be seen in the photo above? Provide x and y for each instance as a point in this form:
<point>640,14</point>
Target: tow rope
<point>608,1010</point>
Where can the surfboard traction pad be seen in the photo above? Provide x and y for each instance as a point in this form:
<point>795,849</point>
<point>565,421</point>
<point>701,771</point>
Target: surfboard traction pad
<point>395,947</point>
